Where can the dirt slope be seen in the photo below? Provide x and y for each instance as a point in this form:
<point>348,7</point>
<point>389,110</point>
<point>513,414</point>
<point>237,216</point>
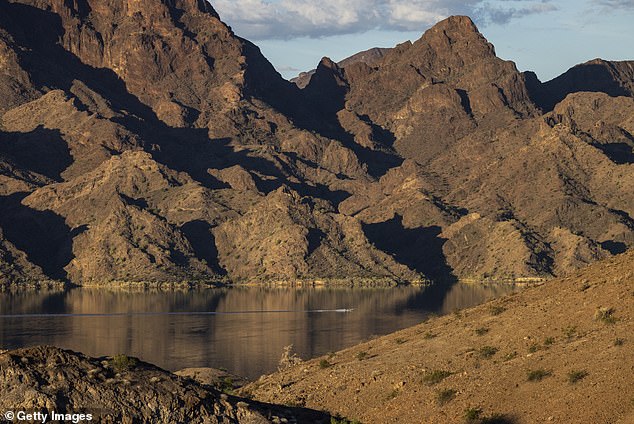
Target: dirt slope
<point>560,352</point>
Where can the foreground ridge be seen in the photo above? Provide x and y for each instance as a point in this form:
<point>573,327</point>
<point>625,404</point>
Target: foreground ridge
<point>122,389</point>
<point>554,353</point>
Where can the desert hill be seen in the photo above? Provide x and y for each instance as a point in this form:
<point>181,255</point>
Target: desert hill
<point>145,141</point>
<point>559,352</point>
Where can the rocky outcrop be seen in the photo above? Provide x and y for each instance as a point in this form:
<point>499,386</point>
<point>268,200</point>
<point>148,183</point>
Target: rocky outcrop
<point>17,272</point>
<point>613,78</point>
<point>123,389</point>
<point>289,239</point>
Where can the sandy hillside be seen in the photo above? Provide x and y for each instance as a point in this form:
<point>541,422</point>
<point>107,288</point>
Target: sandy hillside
<point>561,352</point>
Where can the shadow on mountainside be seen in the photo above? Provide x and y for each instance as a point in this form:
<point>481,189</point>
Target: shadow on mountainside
<point>202,240</point>
<point>42,150</point>
<point>418,248</point>
<point>51,66</point>
<point>42,235</point>
<point>590,77</point>
<point>619,153</point>
<point>188,150</point>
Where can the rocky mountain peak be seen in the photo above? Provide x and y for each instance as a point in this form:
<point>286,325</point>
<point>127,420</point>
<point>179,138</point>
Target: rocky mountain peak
<point>457,25</point>
<point>451,45</point>
<point>327,63</point>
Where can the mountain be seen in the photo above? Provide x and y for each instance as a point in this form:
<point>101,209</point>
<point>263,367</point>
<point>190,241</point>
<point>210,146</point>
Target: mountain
<point>370,57</point>
<point>546,354</point>
<point>146,142</point>
<point>613,78</point>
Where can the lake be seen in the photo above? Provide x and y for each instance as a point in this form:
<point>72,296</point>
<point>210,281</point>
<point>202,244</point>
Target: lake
<point>241,329</point>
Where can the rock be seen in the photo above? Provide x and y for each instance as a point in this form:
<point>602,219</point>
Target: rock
<point>149,393</point>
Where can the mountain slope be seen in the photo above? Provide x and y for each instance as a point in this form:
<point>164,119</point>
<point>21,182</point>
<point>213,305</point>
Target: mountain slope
<point>526,185</point>
<point>153,144</point>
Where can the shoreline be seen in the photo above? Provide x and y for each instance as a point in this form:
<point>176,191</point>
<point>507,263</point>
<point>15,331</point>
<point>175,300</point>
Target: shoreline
<point>379,282</point>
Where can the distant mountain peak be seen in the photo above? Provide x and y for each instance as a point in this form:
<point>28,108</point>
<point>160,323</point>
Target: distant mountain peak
<point>326,62</point>
<point>457,22</point>
<point>369,57</point>
<point>457,33</point>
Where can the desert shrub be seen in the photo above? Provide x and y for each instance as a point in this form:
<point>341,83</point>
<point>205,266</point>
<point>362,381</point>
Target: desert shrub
<point>538,375</point>
<point>226,385</point>
<point>605,315</point>
<point>123,362</point>
<point>570,332</point>
<point>576,376</point>
<point>474,416</point>
<point>533,348</point>
<point>471,415</point>
<point>394,393</point>
<point>509,356</point>
<point>445,396</point>
<point>435,376</point>
<point>487,352</point>
<point>362,355</point>
<point>496,310</point>
<point>481,331</point>
<point>324,363</point>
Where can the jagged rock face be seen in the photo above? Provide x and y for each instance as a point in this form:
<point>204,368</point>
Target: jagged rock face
<point>430,93</point>
<point>144,141</point>
<point>286,238</point>
<point>154,48</point>
<point>370,57</point>
<point>122,389</point>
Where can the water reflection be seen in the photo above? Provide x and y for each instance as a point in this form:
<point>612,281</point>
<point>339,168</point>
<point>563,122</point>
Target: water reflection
<point>248,344</point>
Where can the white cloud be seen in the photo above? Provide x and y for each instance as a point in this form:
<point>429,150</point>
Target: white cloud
<point>503,12</point>
<point>285,19</point>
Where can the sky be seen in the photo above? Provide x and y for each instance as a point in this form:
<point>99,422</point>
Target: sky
<point>544,36</point>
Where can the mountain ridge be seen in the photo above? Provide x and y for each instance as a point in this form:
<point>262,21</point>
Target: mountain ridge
<point>153,144</point>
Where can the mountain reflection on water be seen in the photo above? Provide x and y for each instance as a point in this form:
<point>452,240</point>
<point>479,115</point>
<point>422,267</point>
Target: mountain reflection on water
<point>246,336</point>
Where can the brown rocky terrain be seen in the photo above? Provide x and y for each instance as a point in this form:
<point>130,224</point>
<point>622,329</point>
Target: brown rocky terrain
<point>370,57</point>
<point>148,142</point>
<point>124,390</point>
<point>559,352</point>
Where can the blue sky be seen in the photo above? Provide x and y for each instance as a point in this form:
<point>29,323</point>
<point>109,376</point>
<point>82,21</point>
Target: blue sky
<point>545,36</point>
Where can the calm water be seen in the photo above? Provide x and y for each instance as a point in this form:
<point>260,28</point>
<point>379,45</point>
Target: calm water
<point>241,329</point>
